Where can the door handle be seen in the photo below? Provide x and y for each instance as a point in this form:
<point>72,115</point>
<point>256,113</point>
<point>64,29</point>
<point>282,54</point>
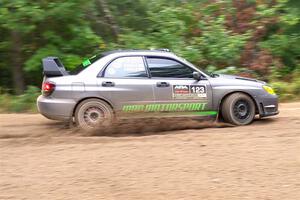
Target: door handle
<point>108,84</point>
<point>162,84</point>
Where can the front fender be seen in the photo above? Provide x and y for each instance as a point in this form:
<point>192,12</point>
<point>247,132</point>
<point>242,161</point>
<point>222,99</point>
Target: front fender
<point>221,92</point>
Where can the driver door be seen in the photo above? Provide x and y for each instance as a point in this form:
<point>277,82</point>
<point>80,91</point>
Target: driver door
<point>175,89</point>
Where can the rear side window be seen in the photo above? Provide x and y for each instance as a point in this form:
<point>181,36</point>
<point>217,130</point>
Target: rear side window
<point>125,67</point>
<point>167,68</point>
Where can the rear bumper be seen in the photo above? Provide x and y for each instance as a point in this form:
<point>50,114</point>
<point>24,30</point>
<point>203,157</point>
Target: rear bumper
<point>56,109</point>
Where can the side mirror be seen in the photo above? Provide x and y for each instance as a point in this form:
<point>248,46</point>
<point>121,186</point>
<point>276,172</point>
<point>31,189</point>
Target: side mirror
<point>197,76</point>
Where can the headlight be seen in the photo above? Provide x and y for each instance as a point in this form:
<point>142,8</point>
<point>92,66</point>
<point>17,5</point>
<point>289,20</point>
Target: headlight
<point>269,89</point>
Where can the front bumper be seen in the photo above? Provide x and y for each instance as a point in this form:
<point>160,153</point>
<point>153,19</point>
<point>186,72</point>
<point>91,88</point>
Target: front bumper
<point>268,106</point>
<point>57,109</point>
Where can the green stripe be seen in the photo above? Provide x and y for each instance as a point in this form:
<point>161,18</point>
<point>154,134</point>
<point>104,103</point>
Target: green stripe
<point>199,113</point>
<point>205,113</point>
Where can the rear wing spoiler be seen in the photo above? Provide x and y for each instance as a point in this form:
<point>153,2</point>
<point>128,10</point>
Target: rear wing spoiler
<point>52,67</point>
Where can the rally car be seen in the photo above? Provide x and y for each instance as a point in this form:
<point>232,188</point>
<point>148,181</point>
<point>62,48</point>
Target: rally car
<point>139,83</point>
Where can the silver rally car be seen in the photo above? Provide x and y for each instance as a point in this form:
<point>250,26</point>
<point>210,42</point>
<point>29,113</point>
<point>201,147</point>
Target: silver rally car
<point>139,83</point>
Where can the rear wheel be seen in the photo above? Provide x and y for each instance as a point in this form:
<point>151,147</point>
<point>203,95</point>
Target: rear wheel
<point>93,113</point>
<point>238,109</point>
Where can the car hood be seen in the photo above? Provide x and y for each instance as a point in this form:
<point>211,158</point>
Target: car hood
<point>225,76</point>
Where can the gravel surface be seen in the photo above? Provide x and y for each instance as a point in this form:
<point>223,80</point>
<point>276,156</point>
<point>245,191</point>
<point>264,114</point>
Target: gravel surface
<point>42,159</point>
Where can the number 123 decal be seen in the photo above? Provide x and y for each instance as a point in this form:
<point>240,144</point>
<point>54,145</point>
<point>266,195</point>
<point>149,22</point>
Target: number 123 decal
<point>198,89</point>
<point>189,91</point>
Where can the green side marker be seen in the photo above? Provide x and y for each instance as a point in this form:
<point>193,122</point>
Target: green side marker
<point>86,62</point>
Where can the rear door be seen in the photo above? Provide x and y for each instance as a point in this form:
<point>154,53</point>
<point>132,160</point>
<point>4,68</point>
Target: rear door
<point>175,89</point>
<point>128,83</point>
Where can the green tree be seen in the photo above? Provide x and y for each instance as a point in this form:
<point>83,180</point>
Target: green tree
<point>259,35</point>
<point>39,29</point>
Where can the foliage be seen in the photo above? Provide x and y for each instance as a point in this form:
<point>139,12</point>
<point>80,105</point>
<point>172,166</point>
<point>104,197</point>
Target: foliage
<point>259,38</point>
<point>173,29</point>
<point>46,28</point>
<point>288,90</point>
<point>22,103</point>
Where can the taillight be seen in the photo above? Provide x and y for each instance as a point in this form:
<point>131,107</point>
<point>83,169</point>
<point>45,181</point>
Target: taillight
<point>48,88</point>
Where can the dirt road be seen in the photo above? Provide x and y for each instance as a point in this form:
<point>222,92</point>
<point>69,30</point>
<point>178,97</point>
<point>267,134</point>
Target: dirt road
<point>40,159</point>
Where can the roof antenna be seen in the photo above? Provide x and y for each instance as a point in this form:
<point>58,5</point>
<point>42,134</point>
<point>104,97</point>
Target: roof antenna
<point>164,49</point>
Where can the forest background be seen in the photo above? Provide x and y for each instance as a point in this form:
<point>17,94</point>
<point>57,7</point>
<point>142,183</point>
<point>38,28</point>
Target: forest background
<point>253,38</point>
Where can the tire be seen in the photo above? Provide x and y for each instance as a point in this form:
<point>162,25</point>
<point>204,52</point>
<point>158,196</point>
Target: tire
<point>238,109</point>
<point>93,113</point>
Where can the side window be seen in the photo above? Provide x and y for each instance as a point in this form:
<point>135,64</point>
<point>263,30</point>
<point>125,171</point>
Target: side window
<point>126,67</point>
<point>162,67</point>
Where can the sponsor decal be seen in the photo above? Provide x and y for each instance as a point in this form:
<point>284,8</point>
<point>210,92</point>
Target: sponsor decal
<point>181,89</point>
<point>169,107</point>
<point>86,62</point>
<point>189,92</point>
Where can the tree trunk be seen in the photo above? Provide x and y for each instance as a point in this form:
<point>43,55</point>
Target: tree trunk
<point>110,18</point>
<point>16,63</point>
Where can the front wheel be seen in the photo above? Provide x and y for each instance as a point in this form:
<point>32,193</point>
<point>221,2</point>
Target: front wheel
<point>93,113</point>
<point>238,109</point>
